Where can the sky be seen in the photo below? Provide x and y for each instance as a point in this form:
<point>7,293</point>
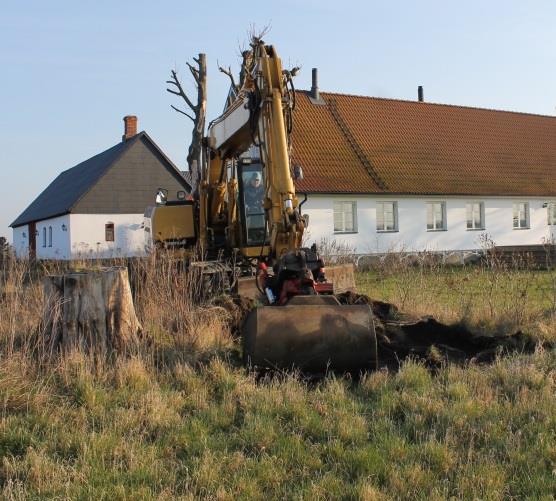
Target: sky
<point>71,70</point>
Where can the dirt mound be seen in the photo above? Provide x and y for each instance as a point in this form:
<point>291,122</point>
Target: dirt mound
<point>401,336</point>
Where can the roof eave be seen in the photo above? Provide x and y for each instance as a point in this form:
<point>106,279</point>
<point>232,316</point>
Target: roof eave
<point>29,221</point>
<point>425,194</point>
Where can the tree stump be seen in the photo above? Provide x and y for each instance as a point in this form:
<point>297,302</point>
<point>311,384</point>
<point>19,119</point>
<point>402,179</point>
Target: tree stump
<point>90,310</point>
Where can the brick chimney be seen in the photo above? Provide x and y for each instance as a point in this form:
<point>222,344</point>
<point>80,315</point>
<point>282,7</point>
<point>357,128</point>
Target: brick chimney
<point>130,127</point>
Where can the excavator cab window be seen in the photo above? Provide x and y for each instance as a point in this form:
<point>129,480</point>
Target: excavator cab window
<point>251,203</point>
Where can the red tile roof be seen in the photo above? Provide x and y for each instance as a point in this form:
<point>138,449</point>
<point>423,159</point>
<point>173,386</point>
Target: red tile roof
<point>375,145</point>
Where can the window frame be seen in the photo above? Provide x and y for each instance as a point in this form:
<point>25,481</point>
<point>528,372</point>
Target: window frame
<point>551,214</point>
<point>343,212</point>
<point>380,207</point>
<point>527,216</point>
<point>50,236</point>
<point>482,225</point>
<point>444,215</point>
<point>109,226</point>
<point>44,236</point>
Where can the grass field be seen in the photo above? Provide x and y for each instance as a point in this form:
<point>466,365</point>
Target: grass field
<point>181,418</point>
<point>493,301</point>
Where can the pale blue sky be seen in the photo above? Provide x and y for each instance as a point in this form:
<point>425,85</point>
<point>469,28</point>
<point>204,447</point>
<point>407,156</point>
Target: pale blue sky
<point>72,69</point>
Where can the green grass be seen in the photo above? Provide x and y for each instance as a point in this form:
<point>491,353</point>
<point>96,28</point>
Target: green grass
<point>448,285</point>
<point>134,433</point>
<point>184,420</point>
<point>492,301</point>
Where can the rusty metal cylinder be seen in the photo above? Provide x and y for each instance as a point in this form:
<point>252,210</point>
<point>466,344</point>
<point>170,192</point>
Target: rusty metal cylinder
<point>311,338</point>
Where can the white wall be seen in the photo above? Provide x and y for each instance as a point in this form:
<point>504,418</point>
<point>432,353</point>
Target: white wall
<point>55,248</point>
<point>412,234</point>
<point>21,241</point>
<point>87,233</point>
<point>60,248</point>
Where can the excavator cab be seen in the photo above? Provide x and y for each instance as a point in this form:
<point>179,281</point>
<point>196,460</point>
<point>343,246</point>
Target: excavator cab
<point>251,200</point>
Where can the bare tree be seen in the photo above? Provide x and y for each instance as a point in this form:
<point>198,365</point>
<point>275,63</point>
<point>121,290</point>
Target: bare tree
<point>196,112</point>
<point>254,36</point>
<point>228,71</point>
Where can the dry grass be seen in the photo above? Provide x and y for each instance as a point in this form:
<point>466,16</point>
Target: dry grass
<point>181,419</point>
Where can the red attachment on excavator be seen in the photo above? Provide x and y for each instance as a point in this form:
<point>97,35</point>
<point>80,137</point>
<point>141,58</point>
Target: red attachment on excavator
<point>324,288</point>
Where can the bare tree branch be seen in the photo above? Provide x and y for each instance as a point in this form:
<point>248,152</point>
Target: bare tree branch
<point>180,92</point>
<point>194,72</point>
<point>256,35</point>
<point>246,66</point>
<point>183,113</point>
<point>229,73</point>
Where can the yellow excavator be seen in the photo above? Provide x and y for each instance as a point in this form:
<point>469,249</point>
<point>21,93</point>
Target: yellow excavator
<point>247,218</point>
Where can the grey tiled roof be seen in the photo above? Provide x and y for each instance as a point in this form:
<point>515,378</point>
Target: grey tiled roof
<point>61,195</point>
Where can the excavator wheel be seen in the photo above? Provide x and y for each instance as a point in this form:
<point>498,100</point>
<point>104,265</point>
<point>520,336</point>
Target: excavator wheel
<point>313,334</point>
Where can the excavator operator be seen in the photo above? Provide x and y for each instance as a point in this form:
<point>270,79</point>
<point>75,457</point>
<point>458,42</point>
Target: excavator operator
<point>254,194</point>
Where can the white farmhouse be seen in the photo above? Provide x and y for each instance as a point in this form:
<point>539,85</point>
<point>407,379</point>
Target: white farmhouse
<point>385,174</point>
<point>96,208</point>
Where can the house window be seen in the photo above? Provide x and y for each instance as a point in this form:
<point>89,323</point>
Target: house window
<point>475,215</point>
<point>109,232</point>
<point>387,216</point>
<point>345,217</point>
<point>44,237</point>
<point>521,215</point>
<point>552,213</point>
<point>50,236</point>
<point>436,216</point>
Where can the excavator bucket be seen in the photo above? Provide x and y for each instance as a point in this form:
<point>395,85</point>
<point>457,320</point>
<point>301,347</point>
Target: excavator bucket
<point>311,333</point>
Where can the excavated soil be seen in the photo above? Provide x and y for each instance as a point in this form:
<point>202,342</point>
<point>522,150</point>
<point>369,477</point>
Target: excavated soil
<point>400,336</point>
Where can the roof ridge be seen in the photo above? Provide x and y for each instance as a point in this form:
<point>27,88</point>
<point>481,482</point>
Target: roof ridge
<point>421,103</point>
<point>352,141</point>
<point>119,144</point>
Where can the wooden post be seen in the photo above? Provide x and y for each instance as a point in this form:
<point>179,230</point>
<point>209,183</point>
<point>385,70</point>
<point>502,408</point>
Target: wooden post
<point>90,310</point>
